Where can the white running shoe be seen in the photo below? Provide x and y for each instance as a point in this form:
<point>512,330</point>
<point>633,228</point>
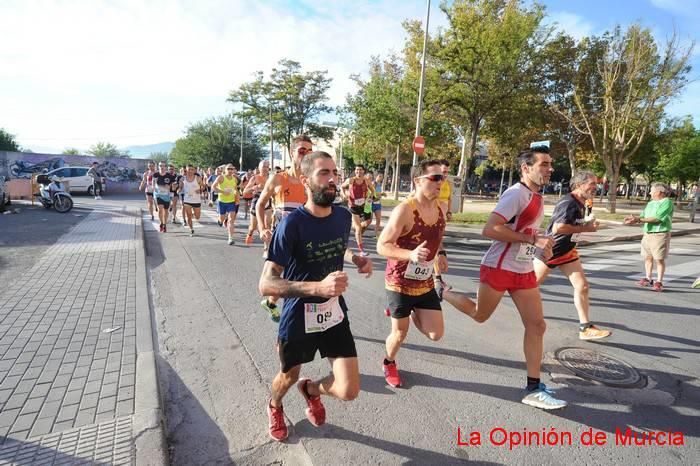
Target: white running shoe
<point>542,398</point>
<point>363,254</point>
<point>97,198</point>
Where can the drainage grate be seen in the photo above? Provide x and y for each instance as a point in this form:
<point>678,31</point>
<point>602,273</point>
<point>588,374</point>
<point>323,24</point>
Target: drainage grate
<point>601,367</point>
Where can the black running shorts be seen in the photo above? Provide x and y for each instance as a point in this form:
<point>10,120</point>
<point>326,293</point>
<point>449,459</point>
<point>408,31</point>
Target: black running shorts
<point>336,342</point>
<point>400,305</point>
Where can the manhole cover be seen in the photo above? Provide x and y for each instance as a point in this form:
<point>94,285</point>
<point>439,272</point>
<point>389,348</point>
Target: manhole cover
<point>594,365</point>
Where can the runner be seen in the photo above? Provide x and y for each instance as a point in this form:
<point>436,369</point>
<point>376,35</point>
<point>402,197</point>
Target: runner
<point>173,192</point>
<point>289,193</point>
<point>247,197</point>
<point>377,203</point>
<point>308,248</point>
<point>507,266</point>
<point>191,189</point>
<point>411,241</point>
<point>210,182</point>
<point>254,188</point>
<point>445,197</point>
<point>147,186</point>
<point>162,181</point>
<point>358,192</point>
<point>226,186</point>
<point>182,174</point>
<point>568,220</point>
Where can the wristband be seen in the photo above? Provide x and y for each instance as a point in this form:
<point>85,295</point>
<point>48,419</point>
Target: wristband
<point>442,253</point>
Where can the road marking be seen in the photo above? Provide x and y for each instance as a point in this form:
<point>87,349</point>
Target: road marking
<point>689,270</point>
<point>603,264</point>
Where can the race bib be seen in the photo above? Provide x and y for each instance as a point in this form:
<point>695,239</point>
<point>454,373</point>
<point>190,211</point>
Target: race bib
<point>526,253</point>
<point>419,270</point>
<point>319,317</point>
<point>360,201</point>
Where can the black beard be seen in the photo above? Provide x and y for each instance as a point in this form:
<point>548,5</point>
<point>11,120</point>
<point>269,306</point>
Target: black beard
<point>321,196</point>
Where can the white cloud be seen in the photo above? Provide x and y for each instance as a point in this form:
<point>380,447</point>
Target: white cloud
<point>116,69</point>
<point>681,7</point>
<point>574,25</point>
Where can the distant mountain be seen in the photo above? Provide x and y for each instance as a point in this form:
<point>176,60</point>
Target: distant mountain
<point>145,151</point>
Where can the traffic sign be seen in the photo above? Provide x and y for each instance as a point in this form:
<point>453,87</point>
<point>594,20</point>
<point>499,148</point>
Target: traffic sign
<point>419,145</point>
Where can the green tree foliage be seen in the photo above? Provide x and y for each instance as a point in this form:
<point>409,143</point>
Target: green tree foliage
<point>215,141</point>
<point>679,153</point>
<point>159,157</point>
<point>71,151</point>
<point>637,80</point>
<point>106,149</point>
<point>8,142</point>
<point>295,98</point>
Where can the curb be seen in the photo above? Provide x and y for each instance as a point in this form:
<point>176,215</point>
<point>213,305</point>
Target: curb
<point>148,427</point>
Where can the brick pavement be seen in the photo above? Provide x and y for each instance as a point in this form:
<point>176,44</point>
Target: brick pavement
<point>62,372</point>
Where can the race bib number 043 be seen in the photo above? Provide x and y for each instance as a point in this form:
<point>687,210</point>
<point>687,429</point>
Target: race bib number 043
<point>419,270</point>
<point>319,317</point>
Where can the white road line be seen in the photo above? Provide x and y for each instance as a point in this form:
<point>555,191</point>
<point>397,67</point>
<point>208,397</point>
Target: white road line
<point>689,271</point>
<point>602,264</point>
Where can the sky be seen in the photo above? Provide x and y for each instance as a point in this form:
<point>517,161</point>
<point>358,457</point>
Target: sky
<point>134,72</point>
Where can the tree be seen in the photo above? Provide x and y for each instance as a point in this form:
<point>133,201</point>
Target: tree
<point>106,149</point>
<point>483,59</point>
<point>70,151</point>
<point>159,157</point>
<point>216,141</point>
<point>636,85</point>
<point>8,142</point>
<point>293,99</point>
<point>679,153</point>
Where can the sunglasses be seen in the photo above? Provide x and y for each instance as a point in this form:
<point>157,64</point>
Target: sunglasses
<point>304,150</point>
<point>230,169</point>
<point>433,177</point>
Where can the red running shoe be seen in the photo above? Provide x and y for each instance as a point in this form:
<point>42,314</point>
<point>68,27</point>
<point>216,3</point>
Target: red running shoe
<point>391,374</point>
<point>278,428</point>
<point>316,412</point>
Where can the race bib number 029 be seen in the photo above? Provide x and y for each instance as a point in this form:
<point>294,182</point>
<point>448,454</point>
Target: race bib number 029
<point>526,253</point>
<point>319,317</point>
<point>419,270</point>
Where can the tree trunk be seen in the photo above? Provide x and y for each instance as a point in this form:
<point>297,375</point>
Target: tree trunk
<point>500,187</point>
<point>397,173</point>
<point>387,166</point>
<point>612,190</point>
<point>466,161</point>
<point>572,158</point>
<point>463,159</point>
<point>510,173</point>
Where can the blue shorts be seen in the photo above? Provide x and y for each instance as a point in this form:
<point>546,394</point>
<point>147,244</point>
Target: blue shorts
<point>376,207</point>
<point>224,208</point>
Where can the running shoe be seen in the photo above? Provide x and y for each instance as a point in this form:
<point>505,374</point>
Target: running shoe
<point>248,239</point>
<point>191,232</point>
<point>231,241</point>
<point>391,374</point>
<point>218,222</point>
<point>363,254</point>
<point>542,398</point>
<point>160,228</point>
<point>696,283</point>
<point>645,282</point>
<point>98,198</point>
<point>176,221</point>
<point>152,217</point>
<point>441,287</point>
<point>271,309</point>
<point>387,312</point>
<point>316,412</point>
<point>658,286</point>
<point>593,333</point>
<point>278,428</point>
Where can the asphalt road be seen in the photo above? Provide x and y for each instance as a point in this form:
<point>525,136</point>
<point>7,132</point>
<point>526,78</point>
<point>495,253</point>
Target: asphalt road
<point>217,358</point>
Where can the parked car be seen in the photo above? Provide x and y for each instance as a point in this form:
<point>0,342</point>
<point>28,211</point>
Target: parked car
<point>77,177</point>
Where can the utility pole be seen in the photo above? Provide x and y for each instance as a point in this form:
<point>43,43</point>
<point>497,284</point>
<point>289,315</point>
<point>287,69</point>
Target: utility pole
<point>419,115</point>
<point>240,160</point>
<point>272,155</point>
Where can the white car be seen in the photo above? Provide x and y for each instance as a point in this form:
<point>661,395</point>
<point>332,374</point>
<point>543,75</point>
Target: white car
<point>78,178</point>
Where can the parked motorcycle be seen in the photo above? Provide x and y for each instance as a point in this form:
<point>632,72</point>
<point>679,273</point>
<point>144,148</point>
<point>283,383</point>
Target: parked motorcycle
<point>53,194</point>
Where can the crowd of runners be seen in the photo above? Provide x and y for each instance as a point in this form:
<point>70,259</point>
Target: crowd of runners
<point>304,216</point>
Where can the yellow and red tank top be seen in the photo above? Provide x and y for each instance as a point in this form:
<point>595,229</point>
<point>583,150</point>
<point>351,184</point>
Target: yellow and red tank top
<point>397,273</point>
<point>290,195</point>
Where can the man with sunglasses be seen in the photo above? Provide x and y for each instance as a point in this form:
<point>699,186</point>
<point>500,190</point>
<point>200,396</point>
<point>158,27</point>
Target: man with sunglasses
<point>508,266</point>
<point>288,193</point>
<point>174,192</point>
<point>147,186</point>
<point>162,182</point>
<point>412,243</point>
<point>226,186</point>
<point>359,192</point>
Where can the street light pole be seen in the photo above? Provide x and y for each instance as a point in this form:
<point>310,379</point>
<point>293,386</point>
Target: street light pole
<point>272,155</point>
<point>240,160</point>
<point>419,115</point>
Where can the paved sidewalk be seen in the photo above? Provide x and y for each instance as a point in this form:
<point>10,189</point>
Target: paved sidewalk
<point>77,372</point>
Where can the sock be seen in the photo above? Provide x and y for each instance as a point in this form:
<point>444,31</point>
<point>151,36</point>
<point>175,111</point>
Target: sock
<point>583,327</point>
<point>386,361</point>
<point>533,383</point>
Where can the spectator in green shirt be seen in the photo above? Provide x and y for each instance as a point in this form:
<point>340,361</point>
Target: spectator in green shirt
<point>656,242</point>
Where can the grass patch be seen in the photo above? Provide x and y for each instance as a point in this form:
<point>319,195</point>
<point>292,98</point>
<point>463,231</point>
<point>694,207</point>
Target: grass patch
<point>389,202</point>
<point>480,218</point>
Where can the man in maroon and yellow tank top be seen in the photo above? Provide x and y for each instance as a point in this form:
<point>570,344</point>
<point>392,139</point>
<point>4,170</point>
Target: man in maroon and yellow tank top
<point>289,193</point>
<point>412,243</point>
<point>359,192</point>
